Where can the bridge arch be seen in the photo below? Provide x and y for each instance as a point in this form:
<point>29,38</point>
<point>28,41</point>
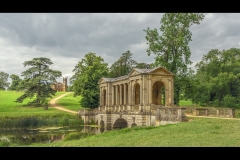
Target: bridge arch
<point>120,123</point>
<point>101,123</point>
<point>133,125</point>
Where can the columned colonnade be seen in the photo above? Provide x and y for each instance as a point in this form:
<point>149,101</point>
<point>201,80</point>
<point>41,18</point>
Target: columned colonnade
<point>141,87</point>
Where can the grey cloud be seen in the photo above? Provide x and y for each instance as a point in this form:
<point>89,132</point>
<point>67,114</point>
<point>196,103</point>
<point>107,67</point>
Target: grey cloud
<point>66,37</point>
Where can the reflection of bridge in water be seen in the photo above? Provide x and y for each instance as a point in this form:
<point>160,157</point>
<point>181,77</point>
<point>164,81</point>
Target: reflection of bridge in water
<point>144,97</point>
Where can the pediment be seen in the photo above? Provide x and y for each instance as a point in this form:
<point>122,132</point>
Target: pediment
<point>101,81</point>
<point>162,71</point>
<point>133,72</point>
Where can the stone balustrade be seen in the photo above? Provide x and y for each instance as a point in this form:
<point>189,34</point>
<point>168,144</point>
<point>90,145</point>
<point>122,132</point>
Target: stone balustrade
<point>212,112</point>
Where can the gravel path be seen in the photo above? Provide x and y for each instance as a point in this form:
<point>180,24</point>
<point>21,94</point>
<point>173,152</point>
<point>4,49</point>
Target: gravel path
<point>53,104</point>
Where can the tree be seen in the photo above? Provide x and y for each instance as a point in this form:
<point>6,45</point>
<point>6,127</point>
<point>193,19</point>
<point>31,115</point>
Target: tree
<point>4,80</point>
<point>85,79</point>
<point>144,65</point>
<point>218,79</point>
<point>37,81</point>
<point>172,47</point>
<point>15,82</point>
<point>125,64</point>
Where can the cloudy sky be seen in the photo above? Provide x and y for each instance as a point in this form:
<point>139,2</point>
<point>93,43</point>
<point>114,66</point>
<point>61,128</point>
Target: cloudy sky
<point>66,37</point>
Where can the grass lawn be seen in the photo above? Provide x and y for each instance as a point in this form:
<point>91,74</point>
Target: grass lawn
<point>185,103</point>
<point>70,102</point>
<point>204,132</point>
<point>9,108</point>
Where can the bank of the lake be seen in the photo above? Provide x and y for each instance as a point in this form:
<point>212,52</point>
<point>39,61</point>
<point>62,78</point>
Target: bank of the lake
<point>198,132</point>
<point>20,116</point>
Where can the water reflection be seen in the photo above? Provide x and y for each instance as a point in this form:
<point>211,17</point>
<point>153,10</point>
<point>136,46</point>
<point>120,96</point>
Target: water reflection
<point>48,135</point>
<point>43,135</point>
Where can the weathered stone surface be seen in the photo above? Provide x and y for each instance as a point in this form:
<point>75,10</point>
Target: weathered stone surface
<point>211,112</point>
<point>136,99</point>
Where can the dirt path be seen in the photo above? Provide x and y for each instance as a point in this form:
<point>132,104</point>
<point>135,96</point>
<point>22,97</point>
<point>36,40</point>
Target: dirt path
<point>53,104</point>
<point>188,115</point>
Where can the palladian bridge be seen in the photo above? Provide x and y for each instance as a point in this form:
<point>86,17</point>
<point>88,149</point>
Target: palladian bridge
<point>144,97</point>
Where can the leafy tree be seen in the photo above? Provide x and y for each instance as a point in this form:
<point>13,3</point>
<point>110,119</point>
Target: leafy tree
<point>85,79</point>
<point>4,80</point>
<point>70,88</point>
<point>172,47</point>
<point>218,79</point>
<point>125,64</point>
<point>15,82</point>
<point>37,81</point>
<point>144,65</point>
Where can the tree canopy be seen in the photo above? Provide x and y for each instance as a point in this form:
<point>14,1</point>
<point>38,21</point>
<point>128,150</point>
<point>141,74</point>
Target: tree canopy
<point>15,82</point>
<point>4,80</point>
<point>124,65</point>
<point>84,82</point>
<point>217,81</point>
<point>37,81</point>
<point>172,46</point>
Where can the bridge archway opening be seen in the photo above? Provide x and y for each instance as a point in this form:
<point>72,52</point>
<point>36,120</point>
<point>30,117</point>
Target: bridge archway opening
<point>134,125</point>
<point>102,126</point>
<point>137,93</point>
<point>120,123</point>
<point>101,123</point>
<point>158,93</point>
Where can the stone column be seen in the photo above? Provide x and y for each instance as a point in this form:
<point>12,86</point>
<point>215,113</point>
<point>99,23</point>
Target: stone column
<point>150,89</point>
<point>169,91</point>
<point>130,93</point>
<point>113,95</point>
<point>141,93</point>
<point>124,94</point>
<point>172,90</point>
<point>117,95</point>
<point>100,97</point>
<point>133,94</point>
<point>143,90</point>
<point>166,96</point>
<point>160,94</point>
<point>120,97</point>
<point>107,95</point>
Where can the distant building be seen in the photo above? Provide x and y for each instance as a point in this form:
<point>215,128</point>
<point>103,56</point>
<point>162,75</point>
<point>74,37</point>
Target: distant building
<point>61,87</point>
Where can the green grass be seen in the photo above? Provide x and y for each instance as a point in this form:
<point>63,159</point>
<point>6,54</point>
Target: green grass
<point>185,103</point>
<point>198,132</point>
<point>9,108</point>
<point>70,102</point>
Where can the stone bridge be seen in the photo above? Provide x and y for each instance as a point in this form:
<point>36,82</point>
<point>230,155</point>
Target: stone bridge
<point>113,119</point>
<point>144,97</point>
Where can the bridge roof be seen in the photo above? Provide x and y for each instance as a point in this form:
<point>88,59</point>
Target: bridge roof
<point>134,69</point>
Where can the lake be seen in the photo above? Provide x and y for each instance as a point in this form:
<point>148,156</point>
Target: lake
<point>44,135</point>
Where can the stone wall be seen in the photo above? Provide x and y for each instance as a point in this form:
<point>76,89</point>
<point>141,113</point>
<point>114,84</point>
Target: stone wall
<point>170,115</point>
<point>212,112</point>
